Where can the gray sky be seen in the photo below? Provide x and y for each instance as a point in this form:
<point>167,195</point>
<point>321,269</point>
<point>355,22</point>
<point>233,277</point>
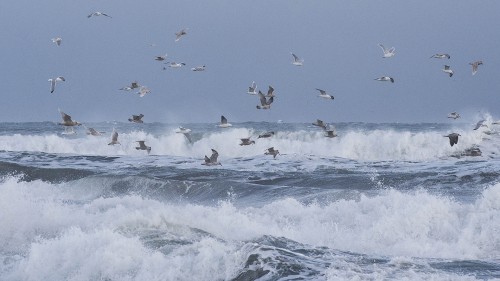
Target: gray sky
<point>245,41</point>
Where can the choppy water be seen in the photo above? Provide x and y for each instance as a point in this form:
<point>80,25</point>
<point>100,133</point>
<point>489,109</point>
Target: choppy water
<point>379,202</point>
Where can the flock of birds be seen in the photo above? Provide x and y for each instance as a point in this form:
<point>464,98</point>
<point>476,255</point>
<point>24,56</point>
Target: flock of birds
<point>265,100</point>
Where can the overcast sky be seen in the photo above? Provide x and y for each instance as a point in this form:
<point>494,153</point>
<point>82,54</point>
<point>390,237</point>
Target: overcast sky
<point>245,41</point>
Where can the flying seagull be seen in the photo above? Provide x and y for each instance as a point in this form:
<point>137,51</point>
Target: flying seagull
<point>272,151</point>
<point>223,122</point>
<point>179,34</point>
<point>161,58</point>
<point>174,64</point>
<point>447,70</point>
<point>440,56</point>
<point>320,124</point>
<point>212,161</point>
<point>264,104</point>
<point>387,52</point>
<point>246,141</point>
<point>252,90</point>
<point>67,121</point>
<point>266,135</point>
<point>57,41</point>
<point>143,146</point>
<point>114,138</point>
<point>454,115</point>
<point>323,94</point>
<point>136,118</point>
<point>453,138</point>
<point>198,68</point>
<point>143,91</point>
<point>331,132</point>
<point>95,14</point>
<point>185,132</point>
<point>475,65</point>
<point>133,85</point>
<point>296,60</point>
<point>94,132</point>
<point>480,124</point>
<point>53,82</point>
<point>385,78</point>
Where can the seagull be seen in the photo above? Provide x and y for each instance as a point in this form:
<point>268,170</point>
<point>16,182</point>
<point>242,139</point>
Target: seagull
<point>136,118</point>
<point>57,40</point>
<point>323,94</point>
<point>53,82</point>
<point>266,135</point>
<point>447,70</point>
<point>331,132</point>
<point>453,138</point>
<point>246,141</point>
<point>95,14</point>
<point>454,115</point>
<point>223,122</point>
<point>272,151</point>
<point>387,52</point>
<point>67,121</point>
<point>264,104</point>
<point>385,78</point>
<point>320,124</point>
<point>475,65</point>
<point>480,124</point>
<point>143,91</point>
<point>94,132</point>
<point>440,56</point>
<point>143,146</point>
<point>179,34</point>
<point>252,90</point>
<point>212,161</point>
<point>270,92</point>
<point>161,58</point>
<point>114,138</point>
<point>175,64</point>
<point>185,132</point>
<point>133,85</point>
<point>296,60</point>
<point>198,68</point>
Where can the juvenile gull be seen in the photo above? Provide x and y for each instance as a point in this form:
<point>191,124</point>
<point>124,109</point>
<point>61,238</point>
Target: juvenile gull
<point>296,60</point>
<point>185,132</point>
<point>385,78</point>
<point>57,41</point>
<point>320,124</point>
<point>143,146</point>
<point>266,135</point>
<point>264,104</point>
<point>198,68</point>
<point>447,70</point>
<point>53,82</point>
<point>136,118</point>
<point>179,34</point>
<point>252,90</point>
<point>272,151</point>
<point>454,115</point>
<point>212,161</point>
<point>453,138</point>
<point>223,122</point>
<point>475,65</point>
<point>133,85</point>
<point>324,95</point>
<point>67,121</point>
<point>246,141</point>
<point>387,52</point>
<point>114,138</point>
<point>94,132</point>
<point>95,14</point>
<point>161,58</point>
<point>440,56</point>
<point>480,124</point>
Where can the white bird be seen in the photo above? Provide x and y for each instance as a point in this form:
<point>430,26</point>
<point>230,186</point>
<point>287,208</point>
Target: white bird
<point>212,161</point>
<point>95,14</point>
<point>454,115</point>
<point>53,82</point>
<point>223,122</point>
<point>320,123</point>
<point>447,70</point>
<point>198,68</point>
<point>114,138</point>
<point>385,78</point>
<point>480,124</point>
<point>252,90</point>
<point>440,56</point>
<point>264,104</point>
<point>143,91</point>
<point>453,138</point>
<point>57,40</point>
<point>388,52</point>
<point>324,95</point>
<point>179,34</point>
<point>475,65</point>
<point>143,146</point>
<point>296,60</point>
<point>331,132</point>
<point>174,64</point>
<point>186,132</point>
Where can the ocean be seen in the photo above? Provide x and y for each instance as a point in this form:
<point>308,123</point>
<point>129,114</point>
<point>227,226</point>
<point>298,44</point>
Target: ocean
<point>378,202</point>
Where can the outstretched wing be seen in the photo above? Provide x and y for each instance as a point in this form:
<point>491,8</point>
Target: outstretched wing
<point>223,119</point>
<point>262,98</point>
<point>65,117</point>
<point>213,157</point>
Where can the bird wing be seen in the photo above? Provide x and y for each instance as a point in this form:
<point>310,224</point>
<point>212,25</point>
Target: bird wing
<point>188,136</point>
<point>65,117</point>
<point>262,98</point>
<point>383,48</point>
<point>270,100</point>
<point>223,119</point>
<point>114,137</point>
<point>213,157</point>
<point>321,91</point>
<point>207,160</point>
<point>270,91</point>
<point>295,58</point>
